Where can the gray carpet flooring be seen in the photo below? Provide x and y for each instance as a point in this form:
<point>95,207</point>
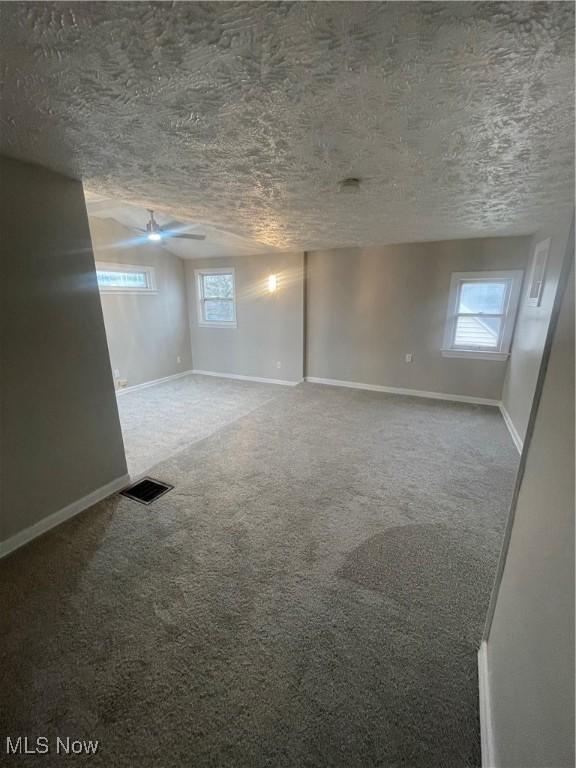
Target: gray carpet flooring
<point>159,421</point>
<point>311,593</point>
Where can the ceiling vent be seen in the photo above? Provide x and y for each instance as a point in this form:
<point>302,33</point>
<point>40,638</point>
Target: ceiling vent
<point>349,185</point>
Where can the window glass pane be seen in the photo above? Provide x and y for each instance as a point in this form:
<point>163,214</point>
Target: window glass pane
<point>482,297</point>
<point>477,331</point>
<point>121,279</point>
<point>218,286</point>
<point>218,311</point>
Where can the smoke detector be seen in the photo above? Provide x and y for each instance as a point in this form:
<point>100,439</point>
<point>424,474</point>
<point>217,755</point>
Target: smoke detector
<point>349,185</point>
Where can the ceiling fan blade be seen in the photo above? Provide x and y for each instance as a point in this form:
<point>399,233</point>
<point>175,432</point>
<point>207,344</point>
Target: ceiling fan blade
<point>138,229</point>
<point>185,237</point>
<point>174,226</point>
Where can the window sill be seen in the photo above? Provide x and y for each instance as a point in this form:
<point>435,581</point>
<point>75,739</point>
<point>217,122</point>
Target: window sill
<point>203,324</point>
<point>128,290</point>
<point>476,354</point>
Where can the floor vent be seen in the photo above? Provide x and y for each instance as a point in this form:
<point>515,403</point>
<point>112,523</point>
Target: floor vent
<point>146,491</point>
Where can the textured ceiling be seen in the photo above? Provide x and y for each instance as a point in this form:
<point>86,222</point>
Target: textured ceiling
<point>218,242</point>
<point>458,117</point>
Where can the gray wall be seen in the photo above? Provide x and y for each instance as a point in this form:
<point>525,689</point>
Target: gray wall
<point>367,308</point>
<point>531,641</point>
<point>146,332</point>
<point>531,330</point>
<point>270,326</point>
<point>61,436</point>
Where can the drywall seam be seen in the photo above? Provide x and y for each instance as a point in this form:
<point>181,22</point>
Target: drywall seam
<point>403,391</point>
<point>305,281</point>
<point>47,523</point>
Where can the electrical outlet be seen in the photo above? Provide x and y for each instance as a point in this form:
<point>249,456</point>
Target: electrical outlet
<point>278,364</point>
<point>408,357</point>
<point>116,373</point>
<point>178,360</point>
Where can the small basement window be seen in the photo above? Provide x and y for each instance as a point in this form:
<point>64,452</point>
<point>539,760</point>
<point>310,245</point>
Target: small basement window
<point>125,278</point>
<point>481,314</point>
<point>215,292</point>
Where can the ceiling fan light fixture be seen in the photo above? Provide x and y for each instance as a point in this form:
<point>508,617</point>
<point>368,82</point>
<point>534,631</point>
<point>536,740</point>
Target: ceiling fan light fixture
<point>171,231</point>
<point>153,228</point>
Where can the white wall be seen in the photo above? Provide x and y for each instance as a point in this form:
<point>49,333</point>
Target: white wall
<point>366,308</point>
<point>269,326</point>
<point>146,333</point>
<point>531,329</point>
<point>530,649</point>
<point>61,438</point>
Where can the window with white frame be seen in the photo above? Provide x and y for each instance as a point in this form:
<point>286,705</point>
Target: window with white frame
<point>482,310</point>
<point>216,297</point>
<point>125,278</point>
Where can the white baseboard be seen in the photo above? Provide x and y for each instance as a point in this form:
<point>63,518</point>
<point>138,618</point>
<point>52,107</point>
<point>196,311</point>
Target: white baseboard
<point>486,732</point>
<point>259,379</point>
<point>44,525</point>
<point>403,391</point>
<point>145,384</point>
<point>517,440</point>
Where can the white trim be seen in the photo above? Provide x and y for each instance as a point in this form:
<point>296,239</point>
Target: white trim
<point>44,525</point>
<point>145,384</point>
<point>223,324</point>
<point>403,391</point>
<point>469,354</point>
<point>486,731</point>
<point>283,382</point>
<point>198,274</point>
<point>122,291</point>
<point>516,439</point>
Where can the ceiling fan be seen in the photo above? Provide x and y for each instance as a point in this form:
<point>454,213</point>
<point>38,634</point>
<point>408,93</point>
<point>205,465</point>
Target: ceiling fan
<point>173,229</point>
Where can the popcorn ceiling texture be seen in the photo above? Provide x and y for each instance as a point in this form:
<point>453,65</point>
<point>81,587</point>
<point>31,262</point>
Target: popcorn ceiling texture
<point>458,117</point>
